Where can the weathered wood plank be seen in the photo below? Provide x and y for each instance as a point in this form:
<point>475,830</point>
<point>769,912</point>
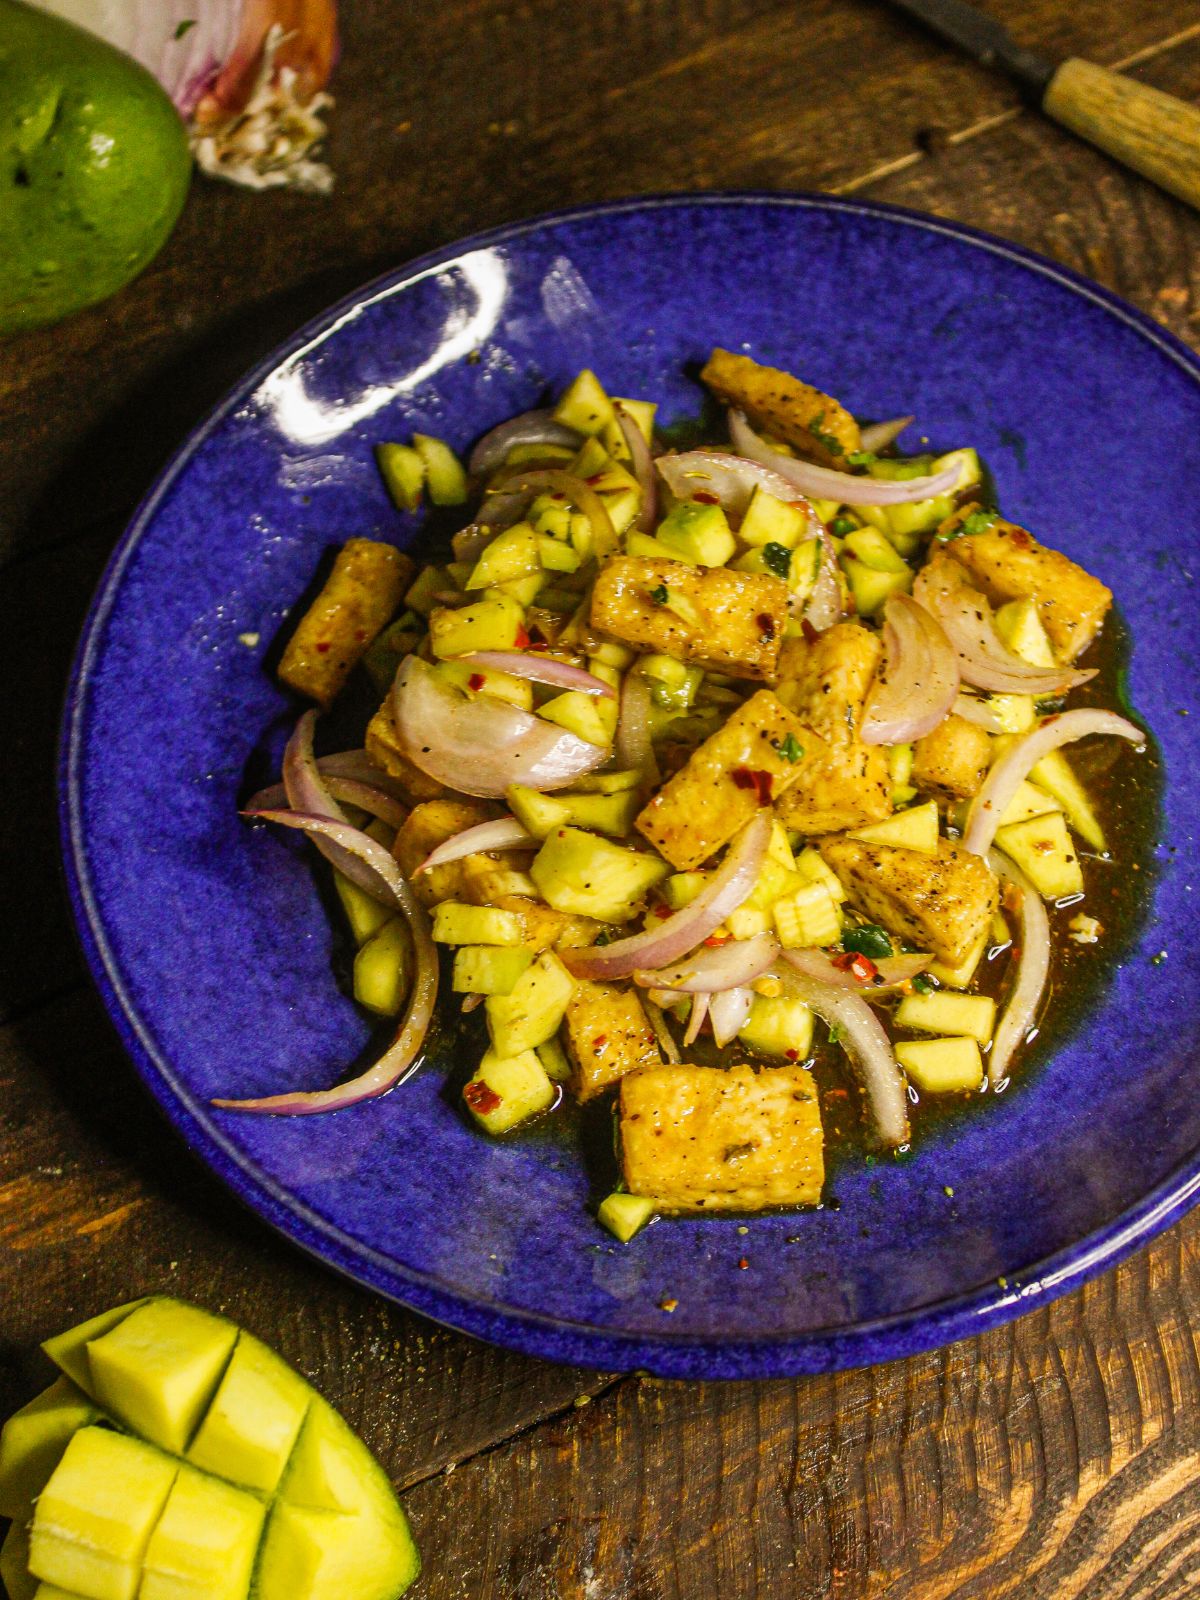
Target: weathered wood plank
<point>99,1202</point>
<point>493,113</point>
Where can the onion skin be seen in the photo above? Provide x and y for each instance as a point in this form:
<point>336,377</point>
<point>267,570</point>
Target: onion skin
<point>878,435</point>
<point>822,483</point>
<point>681,933</point>
<point>353,791</point>
<point>505,833</point>
<point>728,1011</point>
<point>635,752</point>
<point>541,669</point>
<point>1006,776</point>
<point>970,709</point>
<point>531,427</point>
<point>919,682</point>
<point>643,469</point>
<point>1033,968</point>
<point>729,966</point>
<point>892,973</point>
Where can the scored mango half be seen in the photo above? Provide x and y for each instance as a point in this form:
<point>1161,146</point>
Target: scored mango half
<point>179,1458</point>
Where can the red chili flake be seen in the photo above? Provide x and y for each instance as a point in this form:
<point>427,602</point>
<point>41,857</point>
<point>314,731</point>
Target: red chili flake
<point>476,681</point>
<point>754,778</point>
<point>809,632</point>
<point>706,497</point>
<point>521,642</point>
<point>360,634</point>
<point>599,1041</point>
<point>766,624</point>
<point>715,941</point>
<point>481,1097</point>
<point>792,1055</point>
<point>595,478</point>
<point>863,968</point>
<point>1020,538</point>
<point>843,960</point>
<point>743,1264</point>
<point>324,647</point>
<point>539,644</point>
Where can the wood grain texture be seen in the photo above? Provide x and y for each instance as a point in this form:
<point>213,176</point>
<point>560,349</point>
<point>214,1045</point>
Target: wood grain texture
<point>1057,1459</point>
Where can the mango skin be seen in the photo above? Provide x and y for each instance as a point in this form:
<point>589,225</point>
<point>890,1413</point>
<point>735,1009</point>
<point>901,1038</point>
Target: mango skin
<point>94,168</point>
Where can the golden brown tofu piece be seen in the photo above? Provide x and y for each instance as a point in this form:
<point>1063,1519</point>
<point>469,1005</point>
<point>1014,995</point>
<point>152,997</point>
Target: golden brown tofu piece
<point>1008,563</point>
<point>427,826</point>
<point>749,762</point>
<point>814,423</point>
<point>953,759</point>
<point>384,750</point>
<point>360,597</point>
<point>844,784</point>
<point>543,928</point>
<point>730,621</point>
<point>705,1139</point>
<point>607,1036</point>
<point>940,903</point>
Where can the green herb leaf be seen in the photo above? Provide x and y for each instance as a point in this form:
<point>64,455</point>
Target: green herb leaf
<point>828,441</point>
<point>977,522</point>
<point>861,458</point>
<point>790,748</point>
<point>778,558</point>
<point>923,984</point>
<point>660,595</point>
<point>841,526</point>
<point>835,1033</point>
<point>185,27</point>
<point>869,940</point>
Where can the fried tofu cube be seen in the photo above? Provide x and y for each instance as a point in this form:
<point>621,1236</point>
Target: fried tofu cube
<point>384,750</point>
<point>1008,563</point>
<point>359,599</point>
<point>544,928</point>
<point>816,424</point>
<point>705,1139</point>
<point>825,682</point>
<point>953,759</point>
<point>426,826</point>
<point>941,903</point>
<point>746,764</point>
<point>607,1036</point>
<point>732,622</point>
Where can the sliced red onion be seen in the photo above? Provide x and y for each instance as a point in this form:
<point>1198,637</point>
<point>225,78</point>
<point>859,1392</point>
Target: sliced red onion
<point>700,1004</point>
<point>400,1059</point>
<point>505,833</point>
<point>358,764</point>
<point>891,973</point>
<point>643,468</point>
<point>732,478</point>
<point>862,1035</point>
<point>551,481</point>
<point>984,659</point>
<point>355,854</point>
<point>307,793</point>
<point>667,941</point>
<point>1033,967</point>
<point>635,751</point>
<point>878,435</point>
<point>662,1033</point>
<point>1014,766</point>
<point>366,796</point>
<point>531,427</point>
<point>824,605</point>
<point>971,709</point>
<point>540,668</point>
<point>479,746</point>
<point>727,966</point>
<point>822,483</point>
<point>919,679</point>
<point>469,543</point>
<point>728,1011</point>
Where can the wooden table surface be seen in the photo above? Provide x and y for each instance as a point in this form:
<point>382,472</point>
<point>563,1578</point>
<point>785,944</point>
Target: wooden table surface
<point>1059,1456</point>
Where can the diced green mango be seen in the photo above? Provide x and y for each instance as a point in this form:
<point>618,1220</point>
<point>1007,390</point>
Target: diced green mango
<point>639,412</point>
<point>871,588</point>
<point>919,516</point>
<point>681,888</point>
<point>254,1419</point>
<point>488,968</point>
<point>457,923</point>
<point>873,550</point>
<point>51,1591</point>
<point>511,554</point>
<point>384,654</point>
<point>652,549</point>
<point>591,461</point>
<point>1042,848</point>
<point>14,1558</point>
<point>585,406</point>
<point>523,590</point>
<point>579,872</point>
<point>625,1214</point>
<point>443,470</point>
<point>812,865</point>
<point>403,471</point>
<point>778,1026</point>
<point>697,532</point>
<point>606,782</point>
<point>33,1440</point>
<point>612,814</point>
<point>68,1350</point>
<point>427,583</point>
<point>383,969</point>
<point>1016,713</point>
<point>205,1543</point>
<point>536,812</point>
<point>960,976</point>
<point>809,917</point>
<point>157,1370</point>
<point>900,764</point>
<point>364,913</point>
<point>960,1015</point>
<point>771,521</point>
<point>1019,625</point>
<point>584,715</point>
<point>1029,801</point>
<point>94,1518</point>
<point>533,1011</point>
<point>489,624</point>
<point>473,679</point>
<point>554,1059</point>
<point>508,1090</point>
<point>1054,774</point>
<point>941,1066</point>
<point>914,829</point>
<point>556,555</point>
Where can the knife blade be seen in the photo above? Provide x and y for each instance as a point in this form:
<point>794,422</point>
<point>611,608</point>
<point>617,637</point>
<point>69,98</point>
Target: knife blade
<point>1156,134</point>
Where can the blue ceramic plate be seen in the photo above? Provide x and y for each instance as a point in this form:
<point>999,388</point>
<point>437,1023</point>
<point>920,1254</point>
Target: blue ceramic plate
<point>212,947</point>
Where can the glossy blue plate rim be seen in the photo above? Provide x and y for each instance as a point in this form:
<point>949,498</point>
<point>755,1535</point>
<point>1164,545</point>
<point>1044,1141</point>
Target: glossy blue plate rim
<point>919,1328</point>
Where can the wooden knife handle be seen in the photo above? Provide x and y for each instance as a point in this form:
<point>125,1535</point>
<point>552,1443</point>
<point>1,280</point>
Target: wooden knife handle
<point>1152,132</point>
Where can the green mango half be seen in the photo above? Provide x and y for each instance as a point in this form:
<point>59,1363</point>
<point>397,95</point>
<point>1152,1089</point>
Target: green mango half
<point>94,168</point>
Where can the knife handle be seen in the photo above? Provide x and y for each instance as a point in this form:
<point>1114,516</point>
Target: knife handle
<point>1156,134</point>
